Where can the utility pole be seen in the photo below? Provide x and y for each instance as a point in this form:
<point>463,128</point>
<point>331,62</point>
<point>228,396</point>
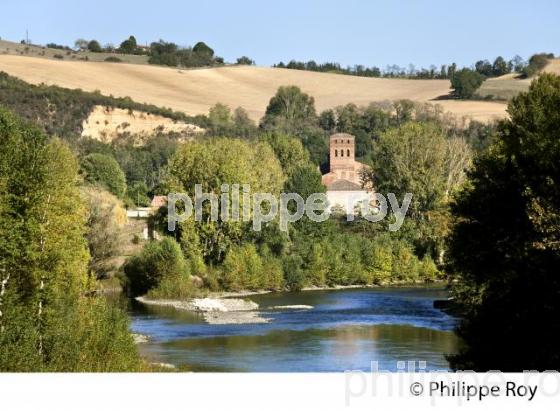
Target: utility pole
<point>26,36</point>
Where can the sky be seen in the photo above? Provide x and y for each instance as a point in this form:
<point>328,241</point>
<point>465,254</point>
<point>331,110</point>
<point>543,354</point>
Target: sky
<point>368,32</point>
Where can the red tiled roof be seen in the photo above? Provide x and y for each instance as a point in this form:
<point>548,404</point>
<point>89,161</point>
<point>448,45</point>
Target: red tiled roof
<point>158,201</point>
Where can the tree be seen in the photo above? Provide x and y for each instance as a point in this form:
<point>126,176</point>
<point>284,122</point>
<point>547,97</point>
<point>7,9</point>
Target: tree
<point>202,48</point>
<point>465,82</point>
<point>289,151</point>
<point>104,171</point>
<point>81,44</point>
<point>327,120</point>
<point>290,110</point>
<point>48,323</point>
<point>518,64</point>
<point>500,67</point>
<point>220,120</point>
<point>203,55</point>
<point>129,46</point>
<point>484,68</point>
<point>244,60</point>
<point>305,180</point>
<point>244,126</point>
<point>105,222</point>
<point>158,261</point>
<point>505,245</point>
<point>223,161</point>
<point>536,63</point>
<point>94,46</point>
<point>419,158</point>
<point>242,269</point>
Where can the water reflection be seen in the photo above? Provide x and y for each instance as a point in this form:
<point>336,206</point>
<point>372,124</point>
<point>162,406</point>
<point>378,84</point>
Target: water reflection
<point>345,330</point>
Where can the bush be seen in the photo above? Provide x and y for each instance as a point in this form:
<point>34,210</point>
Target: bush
<point>244,60</point>
<point>158,263</point>
<point>58,56</point>
<point>94,46</point>
<point>293,272</point>
<point>104,170</point>
<point>113,59</point>
<point>536,63</point>
<point>465,82</point>
<point>242,269</point>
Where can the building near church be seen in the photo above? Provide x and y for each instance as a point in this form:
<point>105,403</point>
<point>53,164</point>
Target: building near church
<point>343,181</point>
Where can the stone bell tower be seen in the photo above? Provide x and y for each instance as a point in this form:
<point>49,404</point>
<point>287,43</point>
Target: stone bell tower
<point>341,157</point>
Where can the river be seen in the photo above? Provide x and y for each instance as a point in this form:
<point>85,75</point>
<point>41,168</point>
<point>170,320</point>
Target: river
<point>345,330</point>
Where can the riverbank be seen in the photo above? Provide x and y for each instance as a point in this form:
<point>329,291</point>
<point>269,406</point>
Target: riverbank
<point>222,308</point>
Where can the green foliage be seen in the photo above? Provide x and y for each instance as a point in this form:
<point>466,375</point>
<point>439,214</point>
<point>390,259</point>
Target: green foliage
<point>137,194</point>
<point>465,82</point>
<point>61,112</point>
<point>103,170</point>
<point>94,46</point>
<point>289,151</point>
<point>536,63</point>
<point>419,158</point>
<point>158,263</point>
<point>171,54</point>
<point>129,46</point>
<point>47,322</point>
<point>244,60</point>
<point>105,222</point>
<point>221,122</point>
<point>212,163</point>
<point>504,246</point>
<point>290,111</point>
<point>243,268</point>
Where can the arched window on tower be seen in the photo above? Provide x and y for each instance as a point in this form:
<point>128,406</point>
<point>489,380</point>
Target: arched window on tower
<point>348,141</point>
<point>336,153</point>
<point>348,152</point>
<point>342,152</point>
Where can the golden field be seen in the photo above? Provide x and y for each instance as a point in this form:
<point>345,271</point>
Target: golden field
<point>195,91</point>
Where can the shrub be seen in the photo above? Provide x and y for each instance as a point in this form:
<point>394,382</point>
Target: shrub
<point>465,82</point>
<point>293,272</point>
<point>113,59</point>
<point>58,56</point>
<point>242,269</point>
<point>536,63</point>
<point>104,170</point>
<point>159,262</point>
<point>94,46</point>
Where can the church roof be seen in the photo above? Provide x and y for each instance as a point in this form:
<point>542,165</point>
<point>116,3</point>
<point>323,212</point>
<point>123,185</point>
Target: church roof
<point>344,185</point>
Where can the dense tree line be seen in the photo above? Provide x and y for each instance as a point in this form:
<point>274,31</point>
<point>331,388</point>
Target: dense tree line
<point>485,68</point>
<point>504,244</point>
<point>49,320</point>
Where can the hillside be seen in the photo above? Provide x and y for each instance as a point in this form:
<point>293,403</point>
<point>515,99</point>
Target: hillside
<point>17,49</point>
<point>195,91</point>
<point>509,85</point>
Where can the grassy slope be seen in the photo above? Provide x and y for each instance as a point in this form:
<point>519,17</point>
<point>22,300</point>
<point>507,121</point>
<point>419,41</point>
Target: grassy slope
<point>195,91</point>
<point>11,48</point>
<point>508,86</point>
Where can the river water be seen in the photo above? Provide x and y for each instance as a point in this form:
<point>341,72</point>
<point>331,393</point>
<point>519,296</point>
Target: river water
<point>345,330</point>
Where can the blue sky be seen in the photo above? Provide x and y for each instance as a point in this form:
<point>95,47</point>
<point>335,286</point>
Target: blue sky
<point>369,32</point>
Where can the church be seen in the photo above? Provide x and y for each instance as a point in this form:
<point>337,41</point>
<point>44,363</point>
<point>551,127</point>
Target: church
<point>343,181</point>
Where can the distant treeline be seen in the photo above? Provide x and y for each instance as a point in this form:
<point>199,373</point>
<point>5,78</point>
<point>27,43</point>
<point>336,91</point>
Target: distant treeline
<point>483,67</point>
<point>159,52</point>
